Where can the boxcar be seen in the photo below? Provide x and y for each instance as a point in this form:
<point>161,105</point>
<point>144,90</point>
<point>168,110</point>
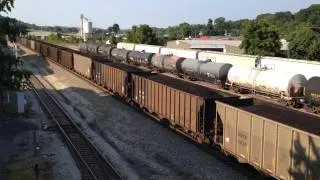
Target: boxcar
<point>82,64</point>
<point>188,106</point>
<point>234,59</point>
<point>280,141</point>
<point>180,52</point>
<point>115,76</point>
<point>148,48</point>
<point>126,46</point>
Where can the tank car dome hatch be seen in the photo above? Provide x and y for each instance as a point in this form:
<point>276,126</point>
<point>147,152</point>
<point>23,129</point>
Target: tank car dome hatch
<point>312,91</point>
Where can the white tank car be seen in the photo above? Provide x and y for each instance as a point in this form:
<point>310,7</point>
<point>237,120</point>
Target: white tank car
<point>307,68</point>
<point>147,48</point>
<point>234,59</point>
<point>126,46</point>
<point>285,84</point>
<point>180,52</point>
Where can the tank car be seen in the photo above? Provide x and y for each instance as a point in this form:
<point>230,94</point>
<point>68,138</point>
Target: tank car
<point>89,48</point>
<point>105,50</point>
<point>168,63</point>
<point>312,91</point>
<point>286,85</point>
<point>83,47</point>
<point>140,58</point>
<point>191,68</point>
<point>205,70</point>
<point>120,54</point>
<point>214,72</point>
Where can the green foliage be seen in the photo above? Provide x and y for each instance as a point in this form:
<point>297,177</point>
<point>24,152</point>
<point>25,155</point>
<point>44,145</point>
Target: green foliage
<point>310,15</point>
<point>305,44</point>
<point>115,28</point>
<point>261,39</point>
<point>12,27</point>
<point>142,34</point>
<point>57,39</point>
<point>6,5</point>
<point>13,77</point>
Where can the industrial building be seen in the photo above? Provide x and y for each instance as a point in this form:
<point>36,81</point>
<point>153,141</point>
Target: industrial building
<point>85,27</point>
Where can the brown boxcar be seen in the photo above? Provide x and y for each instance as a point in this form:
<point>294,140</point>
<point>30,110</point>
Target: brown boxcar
<point>65,58</point>
<point>116,77</point>
<point>188,106</point>
<point>82,64</point>
<point>277,140</point>
<point>53,53</point>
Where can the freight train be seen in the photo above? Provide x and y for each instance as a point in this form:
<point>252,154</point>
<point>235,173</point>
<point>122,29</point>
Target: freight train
<point>276,140</point>
<point>240,74</point>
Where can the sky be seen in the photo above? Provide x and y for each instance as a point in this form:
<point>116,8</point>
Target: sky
<point>157,13</point>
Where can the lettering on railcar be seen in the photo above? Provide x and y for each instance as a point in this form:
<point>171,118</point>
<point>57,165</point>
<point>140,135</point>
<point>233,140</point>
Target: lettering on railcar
<point>242,138</point>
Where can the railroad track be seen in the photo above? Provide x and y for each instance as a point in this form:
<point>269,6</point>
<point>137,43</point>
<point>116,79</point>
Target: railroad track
<point>90,162</point>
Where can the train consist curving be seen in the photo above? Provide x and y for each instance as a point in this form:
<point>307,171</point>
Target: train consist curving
<point>276,140</point>
<point>242,73</point>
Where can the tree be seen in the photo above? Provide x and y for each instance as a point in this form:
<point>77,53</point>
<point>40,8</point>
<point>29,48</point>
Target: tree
<point>6,5</point>
<point>219,26</point>
<point>209,30</point>
<point>184,30</point>
<point>115,28</point>
<point>13,78</point>
<point>261,39</point>
<point>142,34</point>
<point>305,44</point>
